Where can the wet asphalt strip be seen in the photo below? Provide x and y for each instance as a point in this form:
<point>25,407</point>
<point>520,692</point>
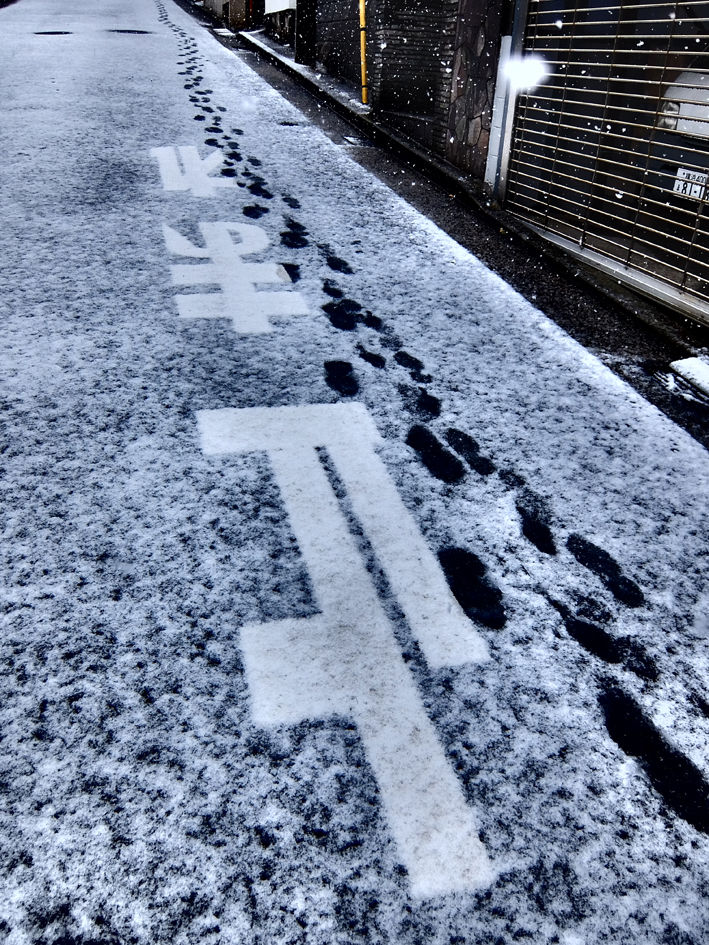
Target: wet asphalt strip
<point>682,786</point>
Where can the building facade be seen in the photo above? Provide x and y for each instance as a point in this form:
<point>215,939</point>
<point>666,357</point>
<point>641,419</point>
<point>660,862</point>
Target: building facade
<point>607,153</point>
<point>431,66</point>
<point>239,14</point>
<point>603,147</point>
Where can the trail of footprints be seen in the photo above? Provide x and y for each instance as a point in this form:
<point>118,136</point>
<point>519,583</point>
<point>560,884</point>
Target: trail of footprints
<point>680,783</point>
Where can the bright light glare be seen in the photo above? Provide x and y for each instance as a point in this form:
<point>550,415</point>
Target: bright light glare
<point>525,72</point>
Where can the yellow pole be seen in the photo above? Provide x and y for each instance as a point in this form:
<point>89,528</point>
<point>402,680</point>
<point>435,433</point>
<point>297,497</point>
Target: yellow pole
<point>363,48</point>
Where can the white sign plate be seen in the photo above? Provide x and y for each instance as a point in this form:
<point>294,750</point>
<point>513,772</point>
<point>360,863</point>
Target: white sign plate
<point>690,183</point>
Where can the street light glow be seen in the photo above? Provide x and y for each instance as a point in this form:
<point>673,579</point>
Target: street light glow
<point>525,72</point>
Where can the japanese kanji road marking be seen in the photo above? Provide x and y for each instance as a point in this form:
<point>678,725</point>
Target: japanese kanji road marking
<point>345,660</point>
<point>183,169</point>
<point>247,306</point>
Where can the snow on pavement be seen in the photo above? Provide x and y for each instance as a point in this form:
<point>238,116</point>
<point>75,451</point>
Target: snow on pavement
<point>345,598</point>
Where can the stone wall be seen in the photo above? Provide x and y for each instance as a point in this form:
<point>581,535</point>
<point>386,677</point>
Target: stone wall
<point>475,59</point>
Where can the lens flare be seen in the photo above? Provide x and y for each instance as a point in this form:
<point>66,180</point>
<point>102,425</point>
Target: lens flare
<point>525,72</point>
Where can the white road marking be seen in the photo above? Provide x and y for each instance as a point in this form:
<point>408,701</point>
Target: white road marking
<point>249,308</point>
<point>346,661</point>
<point>183,169</point>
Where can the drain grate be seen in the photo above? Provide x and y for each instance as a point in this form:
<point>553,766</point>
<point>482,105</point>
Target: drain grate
<point>53,33</point>
<point>134,32</point>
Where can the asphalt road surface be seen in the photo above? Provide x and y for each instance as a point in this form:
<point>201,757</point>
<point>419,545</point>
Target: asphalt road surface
<point>345,598</point>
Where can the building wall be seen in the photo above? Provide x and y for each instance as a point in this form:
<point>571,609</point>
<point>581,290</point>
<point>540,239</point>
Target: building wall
<point>281,27</point>
<point>214,6</point>
<point>239,14</point>
<point>338,38</point>
<point>410,51</point>
<point>431,65</point>
<point>475,60</point>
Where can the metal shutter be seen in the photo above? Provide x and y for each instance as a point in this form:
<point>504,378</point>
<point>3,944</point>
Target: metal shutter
<point>611,152</point>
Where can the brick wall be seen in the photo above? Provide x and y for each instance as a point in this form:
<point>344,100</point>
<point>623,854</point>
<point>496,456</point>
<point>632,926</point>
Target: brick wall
<point>411,52</point>
<point>338,38</point>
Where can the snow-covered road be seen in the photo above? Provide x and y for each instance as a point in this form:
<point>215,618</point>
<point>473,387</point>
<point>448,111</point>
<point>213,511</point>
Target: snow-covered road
<point>345,599</point>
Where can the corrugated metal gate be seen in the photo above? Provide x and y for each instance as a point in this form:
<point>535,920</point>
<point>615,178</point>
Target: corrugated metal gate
<point>611,151</point>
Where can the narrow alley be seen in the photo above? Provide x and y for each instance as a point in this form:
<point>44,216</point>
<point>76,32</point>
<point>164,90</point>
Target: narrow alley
<point>345,597</point>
